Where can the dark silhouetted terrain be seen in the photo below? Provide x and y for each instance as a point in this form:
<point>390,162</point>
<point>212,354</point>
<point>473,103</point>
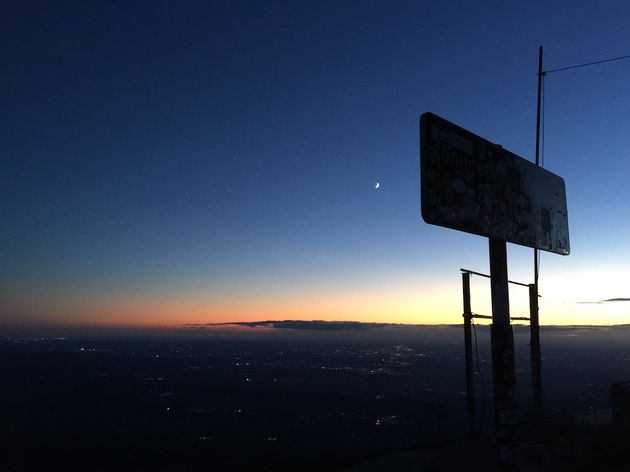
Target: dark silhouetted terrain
<point>275,398</point>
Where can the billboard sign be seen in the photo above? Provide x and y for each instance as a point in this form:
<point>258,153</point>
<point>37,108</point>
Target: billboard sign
<point>472,185</point>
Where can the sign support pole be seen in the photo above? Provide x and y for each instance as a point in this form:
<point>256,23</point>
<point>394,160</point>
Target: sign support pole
<point>468,354</point>
<point>503,368</point>
<point>534,348</point>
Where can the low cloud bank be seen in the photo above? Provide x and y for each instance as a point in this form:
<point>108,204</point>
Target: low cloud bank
<point>299,324</point>
<point>608,300</point>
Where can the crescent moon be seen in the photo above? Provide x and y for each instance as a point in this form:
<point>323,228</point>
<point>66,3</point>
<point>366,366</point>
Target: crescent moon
<point>378,184</point>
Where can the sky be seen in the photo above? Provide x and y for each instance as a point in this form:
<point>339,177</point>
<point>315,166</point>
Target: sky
<point>167,163</point>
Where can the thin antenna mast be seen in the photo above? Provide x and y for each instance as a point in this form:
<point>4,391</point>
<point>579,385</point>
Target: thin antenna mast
<point>540,76</point>
<point>534,324</point>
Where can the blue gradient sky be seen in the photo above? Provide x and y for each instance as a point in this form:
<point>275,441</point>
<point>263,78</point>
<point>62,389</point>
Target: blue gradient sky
<point>169,162</point>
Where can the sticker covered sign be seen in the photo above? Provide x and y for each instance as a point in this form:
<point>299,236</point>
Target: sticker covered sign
<point>472,185</point>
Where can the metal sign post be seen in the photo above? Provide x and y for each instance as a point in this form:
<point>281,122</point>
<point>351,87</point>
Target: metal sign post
<point>468,353</point>
<point>473,185</point>
<point>503,368</point>
<point>534,348</point>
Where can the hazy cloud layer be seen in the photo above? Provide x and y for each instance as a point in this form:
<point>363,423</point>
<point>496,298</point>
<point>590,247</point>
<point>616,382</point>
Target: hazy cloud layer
<point>608,300</point>
<point>299,324</point>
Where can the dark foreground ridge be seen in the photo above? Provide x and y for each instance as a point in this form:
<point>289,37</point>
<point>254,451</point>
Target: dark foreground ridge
<point>387,398</point>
